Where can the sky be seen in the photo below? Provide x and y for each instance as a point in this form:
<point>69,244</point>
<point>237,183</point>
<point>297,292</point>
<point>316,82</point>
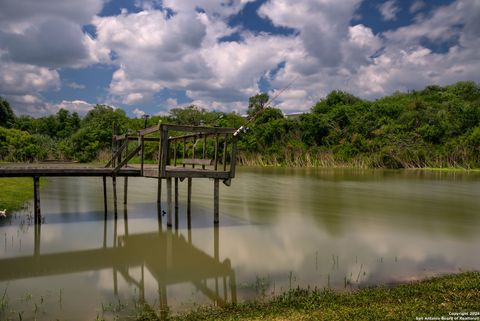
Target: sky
<point>148,56</point>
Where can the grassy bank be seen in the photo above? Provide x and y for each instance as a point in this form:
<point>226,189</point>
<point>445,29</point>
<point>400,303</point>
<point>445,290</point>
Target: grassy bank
<point>15,191</point>
<point>301,158</point>
<point>434,298</point>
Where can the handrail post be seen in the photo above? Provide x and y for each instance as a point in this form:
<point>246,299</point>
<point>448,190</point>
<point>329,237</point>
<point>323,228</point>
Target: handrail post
<point>175,153</point>
<point>164,154</point>
<point>233,161</point>
<point>126,146</point>
<point>142,143</point>
<point>225,153</point>
<point>216,151</point>
<point>113,145</point>
<point>184,150</point>
<point>204,148</point>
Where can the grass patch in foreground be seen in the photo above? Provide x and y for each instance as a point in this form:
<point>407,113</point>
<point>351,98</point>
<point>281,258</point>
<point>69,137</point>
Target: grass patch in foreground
<point>432,298</point>
<point>15,191</point>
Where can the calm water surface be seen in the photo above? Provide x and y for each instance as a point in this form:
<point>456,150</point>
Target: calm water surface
<point>279,228</point>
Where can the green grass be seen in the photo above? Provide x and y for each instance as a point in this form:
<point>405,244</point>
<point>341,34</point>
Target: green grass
<point>15,192</point>
<point>450,169</point>
<point>434,298</point>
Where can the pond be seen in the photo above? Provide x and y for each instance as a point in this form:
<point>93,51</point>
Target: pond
<point>279,229</point>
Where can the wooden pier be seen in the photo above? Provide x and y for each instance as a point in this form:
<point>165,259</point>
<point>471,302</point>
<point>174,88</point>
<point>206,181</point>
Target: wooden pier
<point>183,152</point>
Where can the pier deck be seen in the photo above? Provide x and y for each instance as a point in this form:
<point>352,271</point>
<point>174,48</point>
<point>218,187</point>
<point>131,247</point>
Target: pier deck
<point>184,152</point>
<point>41,170</point>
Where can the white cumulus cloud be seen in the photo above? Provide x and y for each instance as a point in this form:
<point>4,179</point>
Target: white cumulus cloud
<point>389,10</point>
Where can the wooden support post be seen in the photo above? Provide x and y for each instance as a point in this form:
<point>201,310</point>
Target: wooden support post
<point>126,146</point>
<point>105,232</point>
<point>233,287</point>
<point>225,153</point>
<point>216,151</point>
<point>115,223</point>
<point>176,202</point>
<point>36,198</point>
<point>115,282</point>
<point>169,202</point>
<point>142,284</point>
<point>125,220</point>
<point>160,153</point>
<point>162,293</point>
<point>175,153</point>
<point>216,239</point>
<point>216,187</point>
<point>204,148</point>
<point>233,157</point>
<point>142,141</point>
<point>193,150</point>
<point>225,298</point>
<point>105,195</point>
<point>164,152</point>
<point>159,190</point>
<point>184,149</point>
<point>37,228</point>
<point>125,190</point>
<point>114,183</point>
<point>189,202</point>
<point>114,147</point>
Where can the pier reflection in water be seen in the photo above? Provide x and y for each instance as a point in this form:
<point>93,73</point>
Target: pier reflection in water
<point>167,255</point>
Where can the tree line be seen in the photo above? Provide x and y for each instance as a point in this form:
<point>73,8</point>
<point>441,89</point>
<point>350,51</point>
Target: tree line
<point>434,127</point>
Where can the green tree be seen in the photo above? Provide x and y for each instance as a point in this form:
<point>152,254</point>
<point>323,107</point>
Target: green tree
<point>17,145</point>
<point>190,115</point>
<point>7,117</point>
<point>95,133</point>
<point>257,103</point>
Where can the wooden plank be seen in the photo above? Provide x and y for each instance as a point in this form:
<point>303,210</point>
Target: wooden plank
<point>117,154</point>
<point>200,129</point>
<point>125,161</point>
<point>149,130</point>
<point>136,138</point>
<point>120,137</point>
<point>67,171</point>
<point>203,162</point>
<point>181,172</point>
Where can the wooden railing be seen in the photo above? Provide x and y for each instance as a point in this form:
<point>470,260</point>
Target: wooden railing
<point>190,147</point>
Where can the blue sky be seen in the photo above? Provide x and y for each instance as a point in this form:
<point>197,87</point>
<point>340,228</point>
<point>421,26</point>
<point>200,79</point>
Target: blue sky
<point>148,56</point>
